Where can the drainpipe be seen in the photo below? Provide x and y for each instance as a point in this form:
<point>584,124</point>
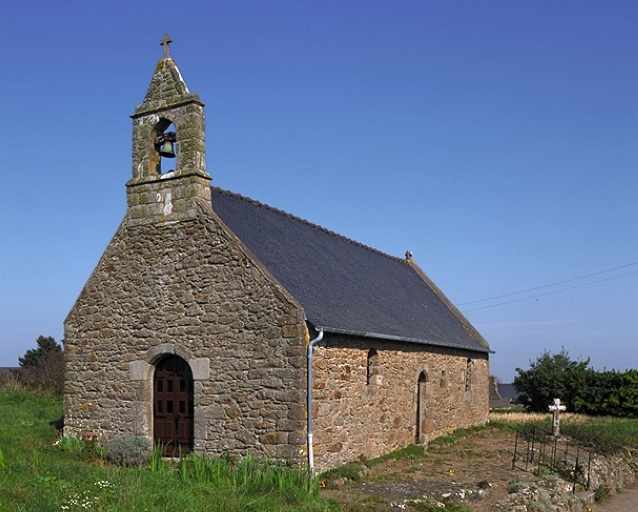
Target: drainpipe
<point>311,461</point>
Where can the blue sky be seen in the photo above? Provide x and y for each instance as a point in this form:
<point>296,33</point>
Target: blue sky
<point>496,140</point>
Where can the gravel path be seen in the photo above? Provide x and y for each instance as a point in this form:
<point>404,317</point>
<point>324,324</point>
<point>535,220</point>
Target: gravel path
<point>627,501</point>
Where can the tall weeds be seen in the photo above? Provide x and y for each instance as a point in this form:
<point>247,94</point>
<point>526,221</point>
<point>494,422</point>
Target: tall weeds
<point>157,463</point>
<point>247,474</point>
<point>38,474</point>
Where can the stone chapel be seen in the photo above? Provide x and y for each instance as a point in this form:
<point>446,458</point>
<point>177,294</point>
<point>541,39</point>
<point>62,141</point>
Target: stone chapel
<point>214,323</point>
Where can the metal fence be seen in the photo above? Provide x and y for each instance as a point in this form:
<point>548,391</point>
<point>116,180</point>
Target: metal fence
<point>535,447</point>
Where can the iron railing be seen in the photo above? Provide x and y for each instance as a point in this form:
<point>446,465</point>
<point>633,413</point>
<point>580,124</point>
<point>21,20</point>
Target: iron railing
<point>535,447</point>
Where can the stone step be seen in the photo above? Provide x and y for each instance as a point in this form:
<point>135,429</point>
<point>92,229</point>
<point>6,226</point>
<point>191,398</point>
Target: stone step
<point>586,496</point>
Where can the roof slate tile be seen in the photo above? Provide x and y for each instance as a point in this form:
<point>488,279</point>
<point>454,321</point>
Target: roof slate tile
<point>345,286</point>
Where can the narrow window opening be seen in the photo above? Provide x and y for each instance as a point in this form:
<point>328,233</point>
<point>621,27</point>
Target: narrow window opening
<point>468,375</point>
<point>374,376</point>
<point>421,426</point>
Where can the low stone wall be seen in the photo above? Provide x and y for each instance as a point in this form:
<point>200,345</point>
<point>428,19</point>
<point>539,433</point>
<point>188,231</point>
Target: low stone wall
<point>615,472</point>
<point>553,494</point>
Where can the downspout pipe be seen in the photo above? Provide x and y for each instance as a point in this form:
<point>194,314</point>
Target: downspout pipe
<point>311,456</point>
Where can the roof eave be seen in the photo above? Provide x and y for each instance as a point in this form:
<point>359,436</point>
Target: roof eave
<point>390,337</point>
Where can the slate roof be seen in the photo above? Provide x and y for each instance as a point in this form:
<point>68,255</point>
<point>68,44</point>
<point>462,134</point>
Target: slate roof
<point>344,286</point>
<point>508,391</point>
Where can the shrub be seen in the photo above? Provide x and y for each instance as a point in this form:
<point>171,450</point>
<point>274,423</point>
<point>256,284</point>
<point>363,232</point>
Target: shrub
<point>129,450</point>
<point>602,494</point>
<point>580,388</point>
<point>43,368</point>
<point>10,379</point>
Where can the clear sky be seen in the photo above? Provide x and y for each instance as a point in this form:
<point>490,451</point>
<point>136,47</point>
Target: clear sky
<point>496,140</point>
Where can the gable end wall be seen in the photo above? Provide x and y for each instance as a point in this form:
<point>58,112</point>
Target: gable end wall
<point>187,288</point>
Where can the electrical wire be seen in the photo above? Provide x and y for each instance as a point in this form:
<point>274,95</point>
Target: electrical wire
<point>550,285</point>
<point>549,293</point>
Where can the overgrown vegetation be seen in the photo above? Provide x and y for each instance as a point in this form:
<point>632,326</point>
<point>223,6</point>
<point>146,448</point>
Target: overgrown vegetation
<point>42,368</point>
<point>604,434</point>
<point>39,471</point>
<point>581,388</point>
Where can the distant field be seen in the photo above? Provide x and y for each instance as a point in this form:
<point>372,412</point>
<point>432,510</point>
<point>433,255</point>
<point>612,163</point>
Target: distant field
<point>36,474</point>
<point>605,434</point>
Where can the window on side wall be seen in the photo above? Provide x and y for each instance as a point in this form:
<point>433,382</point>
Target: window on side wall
<point>468,375</point>
<point>374,376</point>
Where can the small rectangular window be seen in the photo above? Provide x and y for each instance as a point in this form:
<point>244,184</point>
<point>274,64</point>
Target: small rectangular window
<point>169,406</point>
<point>169,384</point>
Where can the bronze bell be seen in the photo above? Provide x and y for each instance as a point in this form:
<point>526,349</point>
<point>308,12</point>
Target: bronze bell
<point>167,150</point>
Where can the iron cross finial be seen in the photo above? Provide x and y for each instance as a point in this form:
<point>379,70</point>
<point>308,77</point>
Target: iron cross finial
<point>166,40</point>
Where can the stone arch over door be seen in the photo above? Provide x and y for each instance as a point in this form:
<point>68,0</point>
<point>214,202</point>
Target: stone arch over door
<point>421,408</point>
<point>143,371</point>
<point>173,405</point>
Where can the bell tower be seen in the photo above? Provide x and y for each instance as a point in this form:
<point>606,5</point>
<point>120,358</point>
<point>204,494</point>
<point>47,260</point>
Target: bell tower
<point>169,151</point>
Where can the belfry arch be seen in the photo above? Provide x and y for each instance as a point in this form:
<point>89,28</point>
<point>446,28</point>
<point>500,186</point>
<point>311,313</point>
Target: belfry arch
<point>164,142</point>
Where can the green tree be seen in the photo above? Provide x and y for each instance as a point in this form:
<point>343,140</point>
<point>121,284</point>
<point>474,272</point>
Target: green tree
<point>34,357</point>
<point>43,367</point>
<point>551,376</point>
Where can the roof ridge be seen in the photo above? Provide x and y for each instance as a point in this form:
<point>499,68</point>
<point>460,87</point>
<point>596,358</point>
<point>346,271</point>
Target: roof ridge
<point>304,221</point>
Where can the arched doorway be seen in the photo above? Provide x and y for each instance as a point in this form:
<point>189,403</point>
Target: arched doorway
<point>173,406</point>
<point>420,408</point>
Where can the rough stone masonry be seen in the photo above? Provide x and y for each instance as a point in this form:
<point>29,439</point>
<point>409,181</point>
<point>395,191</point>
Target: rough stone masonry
<point>176,281</point>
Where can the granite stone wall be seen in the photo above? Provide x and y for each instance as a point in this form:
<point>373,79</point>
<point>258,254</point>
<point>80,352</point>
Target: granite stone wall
<point>367,406</point>
<point>188,288</point>
<point>175,280</point>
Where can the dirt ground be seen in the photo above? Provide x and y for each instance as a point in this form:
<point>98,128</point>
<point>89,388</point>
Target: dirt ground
<point>474,473</point>
<point>627,501</point>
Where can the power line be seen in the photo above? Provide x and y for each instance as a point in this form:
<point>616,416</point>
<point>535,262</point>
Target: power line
<point>548,293</point>
<point>550,285</point>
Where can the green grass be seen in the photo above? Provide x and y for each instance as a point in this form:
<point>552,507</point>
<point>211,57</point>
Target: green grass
<point>455,437</point>
<point>352,471</point>
<point>38,474</point>
<point>607,435</point>
<point>604,434</point>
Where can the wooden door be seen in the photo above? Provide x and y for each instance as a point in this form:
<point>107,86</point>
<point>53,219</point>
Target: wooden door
<point>173,405</point>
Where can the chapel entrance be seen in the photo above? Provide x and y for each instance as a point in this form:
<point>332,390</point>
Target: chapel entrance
<point>173,406</point>
<point>420,409</point>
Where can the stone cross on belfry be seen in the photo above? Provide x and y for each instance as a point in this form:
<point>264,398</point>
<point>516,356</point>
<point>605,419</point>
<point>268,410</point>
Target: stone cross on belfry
<point>166,40</point>
<point>555,409</point>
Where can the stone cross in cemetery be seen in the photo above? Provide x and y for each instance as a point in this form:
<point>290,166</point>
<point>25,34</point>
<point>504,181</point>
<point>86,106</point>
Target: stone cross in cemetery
<point>555,409</point>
